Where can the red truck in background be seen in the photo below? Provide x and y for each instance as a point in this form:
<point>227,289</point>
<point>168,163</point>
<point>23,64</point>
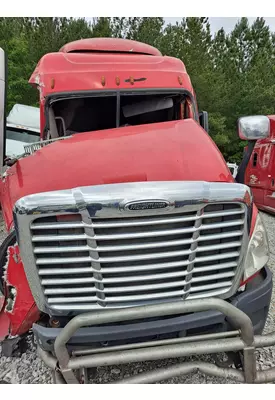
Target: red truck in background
<point>260,173</point>
<point>128,238</point>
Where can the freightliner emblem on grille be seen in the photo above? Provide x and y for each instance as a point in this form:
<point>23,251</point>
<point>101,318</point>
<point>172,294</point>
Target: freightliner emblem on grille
<point>146,205</point>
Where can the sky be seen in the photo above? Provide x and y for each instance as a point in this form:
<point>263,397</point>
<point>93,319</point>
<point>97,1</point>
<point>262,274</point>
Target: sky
<point>227,23</point>
<point>216,23</point>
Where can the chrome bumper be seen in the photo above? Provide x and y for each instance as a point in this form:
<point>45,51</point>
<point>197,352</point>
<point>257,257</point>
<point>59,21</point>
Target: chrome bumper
<point>241,339</point>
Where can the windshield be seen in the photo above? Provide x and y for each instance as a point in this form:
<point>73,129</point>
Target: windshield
<point>22,136</point>
<point>112,110</point>
<point>16,139</point>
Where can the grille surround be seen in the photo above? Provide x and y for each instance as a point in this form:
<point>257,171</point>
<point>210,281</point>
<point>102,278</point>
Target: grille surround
<point>105,249</point>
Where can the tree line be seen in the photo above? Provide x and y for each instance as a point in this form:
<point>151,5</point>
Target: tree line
<point>232,74</point>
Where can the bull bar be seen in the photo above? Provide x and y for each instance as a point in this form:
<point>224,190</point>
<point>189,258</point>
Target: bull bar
<point>242,339</point>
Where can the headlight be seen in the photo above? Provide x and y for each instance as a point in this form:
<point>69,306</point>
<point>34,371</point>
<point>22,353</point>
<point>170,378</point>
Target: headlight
<point>258,251</point>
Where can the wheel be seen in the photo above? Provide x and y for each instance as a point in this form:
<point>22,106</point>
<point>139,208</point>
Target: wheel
<point>85,375</point>
<point>232,358</point>
<point>8,241</point>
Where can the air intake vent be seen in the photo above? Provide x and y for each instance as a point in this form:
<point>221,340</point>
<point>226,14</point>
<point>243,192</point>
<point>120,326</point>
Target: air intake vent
<point>110,45</point>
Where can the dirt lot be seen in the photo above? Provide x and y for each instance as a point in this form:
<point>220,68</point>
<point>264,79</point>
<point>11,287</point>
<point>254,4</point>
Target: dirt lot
<point>29,369</point>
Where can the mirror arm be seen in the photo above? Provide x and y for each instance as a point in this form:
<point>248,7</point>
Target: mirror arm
<point>240,177</point>
<point>9,162</point>
<point>203,118</point>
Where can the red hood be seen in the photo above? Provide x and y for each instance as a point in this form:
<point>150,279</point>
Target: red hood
<point>179,150</point>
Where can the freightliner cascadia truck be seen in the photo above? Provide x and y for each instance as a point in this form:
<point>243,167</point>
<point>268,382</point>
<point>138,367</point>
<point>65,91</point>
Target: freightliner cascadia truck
<point>128,238</point>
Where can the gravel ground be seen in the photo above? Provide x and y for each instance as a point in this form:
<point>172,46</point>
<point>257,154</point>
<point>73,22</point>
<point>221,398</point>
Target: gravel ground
<point>29,369</point>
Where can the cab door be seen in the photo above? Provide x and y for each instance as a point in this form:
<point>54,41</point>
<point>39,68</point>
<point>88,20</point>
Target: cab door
<point>257,171</point>
<point>269,194</point>
<point>260,175</point>
<point>3,89</point>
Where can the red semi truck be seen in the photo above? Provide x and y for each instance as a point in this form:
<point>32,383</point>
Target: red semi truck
<point>128,238</point>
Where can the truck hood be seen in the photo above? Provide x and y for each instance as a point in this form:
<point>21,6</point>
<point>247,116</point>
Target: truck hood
<point>170,151</point>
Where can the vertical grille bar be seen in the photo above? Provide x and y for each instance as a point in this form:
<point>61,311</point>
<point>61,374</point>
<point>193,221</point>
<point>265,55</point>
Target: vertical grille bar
<point>193,248</point>
<point>96,266</point>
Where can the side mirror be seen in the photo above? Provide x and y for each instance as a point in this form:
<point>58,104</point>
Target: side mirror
<point>254,127</point>
<point>203,116</point>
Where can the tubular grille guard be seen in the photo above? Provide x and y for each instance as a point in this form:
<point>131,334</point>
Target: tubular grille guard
<point>244,341</point>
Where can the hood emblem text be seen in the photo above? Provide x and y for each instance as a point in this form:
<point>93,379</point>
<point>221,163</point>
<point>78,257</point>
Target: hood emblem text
<point>146,205</point>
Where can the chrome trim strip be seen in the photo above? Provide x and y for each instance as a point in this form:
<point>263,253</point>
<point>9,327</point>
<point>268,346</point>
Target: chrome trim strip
<point>137,222</point>
<point>104,200</point>
<point>153,245</point>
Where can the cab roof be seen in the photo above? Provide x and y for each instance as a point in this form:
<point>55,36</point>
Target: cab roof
<point>105,63</point>
<point>110,45</point>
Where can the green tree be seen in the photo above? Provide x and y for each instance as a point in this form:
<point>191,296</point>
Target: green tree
<point>101,27</point>
<point>232,74</point>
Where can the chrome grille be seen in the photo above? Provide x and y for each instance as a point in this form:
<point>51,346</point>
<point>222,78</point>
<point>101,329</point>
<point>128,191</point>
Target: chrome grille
<point>85,263</point>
